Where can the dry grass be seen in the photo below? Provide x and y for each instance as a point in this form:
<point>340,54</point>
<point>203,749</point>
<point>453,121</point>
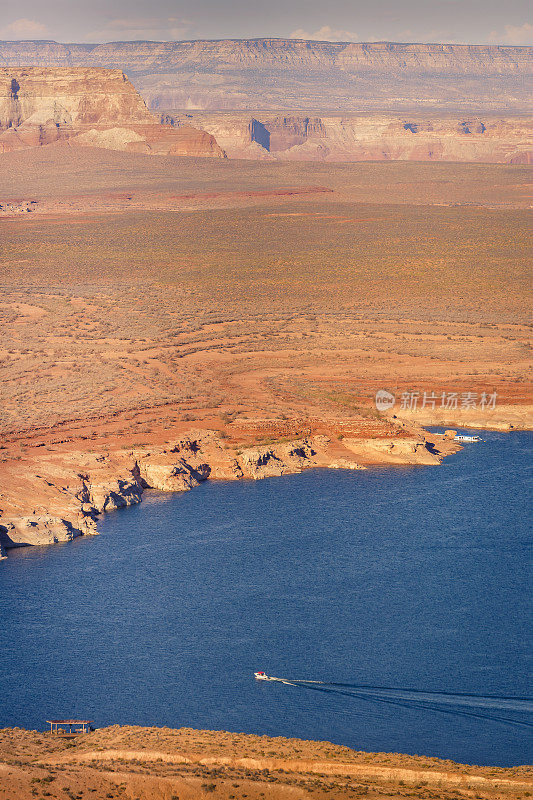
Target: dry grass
<point>250,304</point>
<point>162,764</point>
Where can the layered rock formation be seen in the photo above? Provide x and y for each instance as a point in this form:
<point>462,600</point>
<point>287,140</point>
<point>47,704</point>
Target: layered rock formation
<point>76,97</point>
<point>367,137</point>
<point>455,59</point>
<point>295,74</point>
<point>71,490</point>
<point>101,108</point>
<point>90,106</point>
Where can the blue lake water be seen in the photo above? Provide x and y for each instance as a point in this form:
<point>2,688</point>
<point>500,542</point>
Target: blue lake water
<point>404,589</point>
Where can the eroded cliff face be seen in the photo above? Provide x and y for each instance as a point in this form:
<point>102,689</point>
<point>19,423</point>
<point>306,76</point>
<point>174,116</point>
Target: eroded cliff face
<point>90,106</point>
<point>66,96</point>
<point>101,108</point>
<point>298,75</point>
<point>367,137</point>
<point>458,59</point>
<point>69,491</point>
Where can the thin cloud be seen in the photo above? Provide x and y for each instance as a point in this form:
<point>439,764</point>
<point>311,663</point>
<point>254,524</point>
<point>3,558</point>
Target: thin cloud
<point>513,34</point>
<point>139,29</point>
<point>24,29</point>
<point>325,34</point>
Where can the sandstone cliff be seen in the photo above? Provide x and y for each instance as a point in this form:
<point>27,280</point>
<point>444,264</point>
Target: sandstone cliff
<point>296,74</point>
<point>66,96</point>
<point>457,59</point>
<point>101,108</point>
<point>71,490</point>
<point>367,137</point>
<point>92,106</point>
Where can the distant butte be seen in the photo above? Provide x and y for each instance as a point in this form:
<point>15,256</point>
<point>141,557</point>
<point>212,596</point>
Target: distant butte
<point>88,106</point>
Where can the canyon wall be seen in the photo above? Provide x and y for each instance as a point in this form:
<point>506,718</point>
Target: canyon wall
<point>390,101</point>
<point>81,96</point>
<point>456,59</point>
<point>287,74</point>
<point>367,137</point>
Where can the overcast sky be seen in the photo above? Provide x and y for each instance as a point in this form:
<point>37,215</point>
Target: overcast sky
<point>470,21</point>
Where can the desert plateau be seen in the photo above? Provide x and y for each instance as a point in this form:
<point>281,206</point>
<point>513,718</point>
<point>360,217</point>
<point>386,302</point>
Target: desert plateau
<point>83,100</point>
<point>298,75</point>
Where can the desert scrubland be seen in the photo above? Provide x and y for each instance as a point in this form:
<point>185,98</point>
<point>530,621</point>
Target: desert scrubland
<point>196,314</point>
<point>169,318</point>
<point>164,764</point>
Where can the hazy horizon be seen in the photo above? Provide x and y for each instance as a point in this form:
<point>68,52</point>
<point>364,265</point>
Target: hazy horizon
<point>404,21</point>
<point>261,38</point>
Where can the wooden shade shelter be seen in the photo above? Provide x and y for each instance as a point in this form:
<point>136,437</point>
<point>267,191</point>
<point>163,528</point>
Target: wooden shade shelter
<point>61,725</point>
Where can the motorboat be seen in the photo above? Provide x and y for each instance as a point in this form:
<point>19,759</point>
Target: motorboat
<point>262,676</point>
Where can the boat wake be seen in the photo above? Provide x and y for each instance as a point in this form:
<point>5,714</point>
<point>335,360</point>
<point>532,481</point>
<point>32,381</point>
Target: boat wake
<point>465,704</point>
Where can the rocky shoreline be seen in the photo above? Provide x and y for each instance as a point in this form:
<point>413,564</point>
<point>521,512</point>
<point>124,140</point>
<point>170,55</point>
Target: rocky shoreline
<point>70,490</point>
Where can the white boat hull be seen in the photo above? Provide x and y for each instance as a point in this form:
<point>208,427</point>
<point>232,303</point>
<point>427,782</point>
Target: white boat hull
<point>260,676</point>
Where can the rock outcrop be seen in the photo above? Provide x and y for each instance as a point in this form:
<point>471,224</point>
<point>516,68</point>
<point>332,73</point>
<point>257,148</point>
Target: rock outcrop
<point>69,96</point>
<point>368,137</point>
<point>89,106</point>
<point>154,140</point>
<point>43,529</point>
<point>393,451</point>
<point>97,107</point>
<point>457,59</point>
<point>71,490</point>
<point>273,461</point>
<point>295,74</point>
